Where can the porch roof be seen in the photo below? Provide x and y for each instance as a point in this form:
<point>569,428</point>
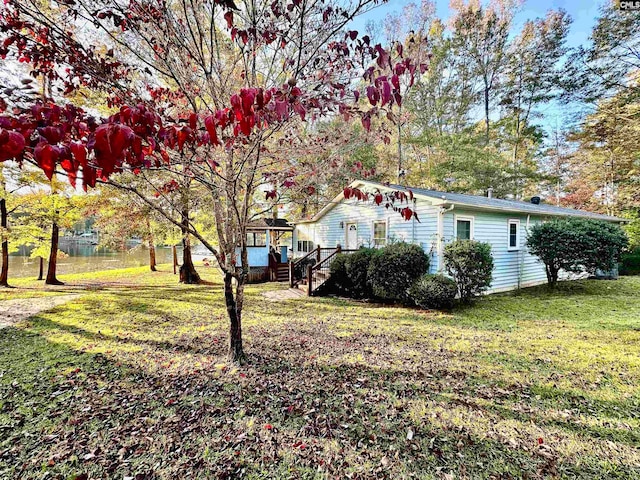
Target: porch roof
<point>280,224</point>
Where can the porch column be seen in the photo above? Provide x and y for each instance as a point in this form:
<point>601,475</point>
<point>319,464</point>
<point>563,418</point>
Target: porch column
<point>294,242</point>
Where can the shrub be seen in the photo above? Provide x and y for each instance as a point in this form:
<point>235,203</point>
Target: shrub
<point>576,245</point>
<point>630,263</point>
<point>338,269</point>
<point>349,273</point>
<point>357,267</point>
<point>470,264</point>
<point>434,291</point>
<point>394,268</point>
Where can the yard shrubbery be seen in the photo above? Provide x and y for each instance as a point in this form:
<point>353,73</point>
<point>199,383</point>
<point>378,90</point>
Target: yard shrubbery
<point>349,273</point>
<point>576,245</point>
<point>434,292</point>
<point>338,269</point>
<point>630,263</point>
<point>470,264</point>
<point>387,273</point>
<point>398,272</point>
<point>394,268</point>
<point>357,271</point>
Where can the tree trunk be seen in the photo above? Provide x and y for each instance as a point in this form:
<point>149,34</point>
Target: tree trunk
<point>41,272</point>
<point>552,276</point>
<point>236,353</point>
<point>188,273</point>
<point>152,248</point>
<point>401,180</point>
<point>175,258</point>
<point>4,273</point>
<point>486,114</point>
<point>152,255</point>
<point>53,257</point>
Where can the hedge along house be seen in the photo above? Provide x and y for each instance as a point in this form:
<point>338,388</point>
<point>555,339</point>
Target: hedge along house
<point>443,217</point>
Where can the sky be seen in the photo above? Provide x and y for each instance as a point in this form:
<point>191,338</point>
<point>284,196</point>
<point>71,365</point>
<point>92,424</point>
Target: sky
<point>583,13</point>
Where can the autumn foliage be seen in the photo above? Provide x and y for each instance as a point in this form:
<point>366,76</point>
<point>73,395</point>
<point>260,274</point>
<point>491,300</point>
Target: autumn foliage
<point>207,93</point>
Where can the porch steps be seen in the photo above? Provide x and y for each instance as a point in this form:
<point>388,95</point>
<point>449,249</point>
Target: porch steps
<point>282,272</point>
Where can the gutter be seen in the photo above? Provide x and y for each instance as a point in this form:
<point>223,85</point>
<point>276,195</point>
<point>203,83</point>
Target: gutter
<point>580,213</point>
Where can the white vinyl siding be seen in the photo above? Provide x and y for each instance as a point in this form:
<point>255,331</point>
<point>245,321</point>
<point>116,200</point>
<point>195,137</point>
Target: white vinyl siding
<point>512,268</point>
<point>328,232</point>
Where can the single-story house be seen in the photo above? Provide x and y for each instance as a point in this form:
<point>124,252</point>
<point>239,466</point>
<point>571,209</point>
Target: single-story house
<point>443,217</point>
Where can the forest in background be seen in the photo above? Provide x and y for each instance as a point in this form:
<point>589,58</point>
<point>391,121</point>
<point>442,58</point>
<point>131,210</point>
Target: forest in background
<point>472,122</point>
<point>475,119</point>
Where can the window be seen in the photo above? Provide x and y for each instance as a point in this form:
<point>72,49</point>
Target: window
<point>256,239</point>
<point>379,234</point>
<point>305,245</point>
<point>464,228</point>
<point>514,235</point>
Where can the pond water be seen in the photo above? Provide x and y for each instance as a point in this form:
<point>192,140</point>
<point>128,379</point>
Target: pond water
<point>84,257</point>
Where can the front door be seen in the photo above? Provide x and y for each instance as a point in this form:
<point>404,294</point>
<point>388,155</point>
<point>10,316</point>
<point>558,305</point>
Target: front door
<point>352,236</point>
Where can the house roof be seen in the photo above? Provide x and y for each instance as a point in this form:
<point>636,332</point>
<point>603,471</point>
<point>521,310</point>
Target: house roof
<point>477,202</point>
<point>269,224</point>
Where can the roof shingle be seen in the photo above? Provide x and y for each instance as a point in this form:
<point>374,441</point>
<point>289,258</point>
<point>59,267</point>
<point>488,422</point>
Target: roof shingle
<point>481,202</point>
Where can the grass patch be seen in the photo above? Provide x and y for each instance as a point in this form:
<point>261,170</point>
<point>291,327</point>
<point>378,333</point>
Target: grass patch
<point>131,378</point>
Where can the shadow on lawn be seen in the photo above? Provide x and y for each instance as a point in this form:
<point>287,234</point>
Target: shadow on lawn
<point>207,344</point>
<point>112,420</point>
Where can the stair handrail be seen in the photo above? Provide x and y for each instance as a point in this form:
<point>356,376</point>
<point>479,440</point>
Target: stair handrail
<point>294,264</point>
<point>321,264</point>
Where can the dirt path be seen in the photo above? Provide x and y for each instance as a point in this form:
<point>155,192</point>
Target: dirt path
<point>12,311</point>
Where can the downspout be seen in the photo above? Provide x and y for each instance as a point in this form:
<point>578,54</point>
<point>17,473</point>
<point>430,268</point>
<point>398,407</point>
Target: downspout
<point>440,235</point>
<point>522,254</point>
<point>413,229</point>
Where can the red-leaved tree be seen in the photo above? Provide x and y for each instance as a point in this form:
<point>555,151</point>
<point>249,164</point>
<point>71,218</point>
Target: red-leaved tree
<point>204,91</point>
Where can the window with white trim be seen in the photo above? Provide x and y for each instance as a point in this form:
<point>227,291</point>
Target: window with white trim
<point>514,235</point>
<point>379,234</point>
<point>257,239</point>
<point>464,228</point>
<point>305,246</point>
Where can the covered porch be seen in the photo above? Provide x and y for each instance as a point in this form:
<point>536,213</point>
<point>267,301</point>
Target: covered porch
<point>268,250</point>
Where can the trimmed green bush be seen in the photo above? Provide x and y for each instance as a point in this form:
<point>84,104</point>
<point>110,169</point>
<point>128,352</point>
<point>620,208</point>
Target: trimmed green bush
<point>434,291</point>
<point>630,263</point>
<point>357,267</point>
<point>338,269</point>
<point>576,245</point>
<point>349,273</point>
<point>470,264</point>
<point>394,268</point>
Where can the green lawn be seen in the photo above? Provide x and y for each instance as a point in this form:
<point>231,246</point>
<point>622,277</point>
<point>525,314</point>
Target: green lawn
<point>131,378</point>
